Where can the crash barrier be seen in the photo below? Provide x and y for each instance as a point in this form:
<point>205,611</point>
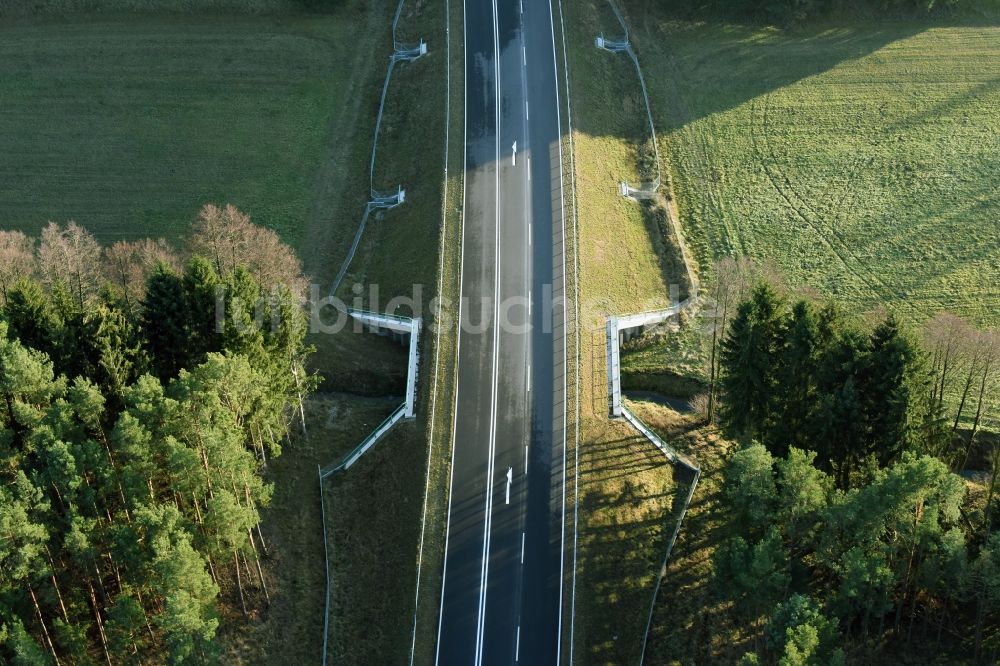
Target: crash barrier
<point>617,328</point>
<point>379,323</point>
<point>646,190</point>
<point>381,200</point>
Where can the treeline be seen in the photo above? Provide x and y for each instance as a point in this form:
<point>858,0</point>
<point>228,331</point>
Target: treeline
<point>140,400</point>
<point>791,11</point>
<point>846,523</point>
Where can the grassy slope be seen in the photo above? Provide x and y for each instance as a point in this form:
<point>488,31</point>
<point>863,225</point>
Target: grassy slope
<point>861,159</point>
<point>128,124</point>
<point>626,489</point>
<point>375,510</point>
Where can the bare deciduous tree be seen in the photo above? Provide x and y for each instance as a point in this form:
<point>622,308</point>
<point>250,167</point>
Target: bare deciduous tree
<point>229,239</point>
<point>17,258</point>
<point>70,256</point>
<point>127,265</point>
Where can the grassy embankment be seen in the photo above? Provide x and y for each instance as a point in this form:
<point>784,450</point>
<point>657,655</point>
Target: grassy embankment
<point>628,261</point>
<point>128,121</point>
<point>375,510</point>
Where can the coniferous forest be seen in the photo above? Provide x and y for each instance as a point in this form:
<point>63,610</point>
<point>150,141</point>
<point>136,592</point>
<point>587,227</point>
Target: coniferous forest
<point>143,392</point>
<point>846,522</point>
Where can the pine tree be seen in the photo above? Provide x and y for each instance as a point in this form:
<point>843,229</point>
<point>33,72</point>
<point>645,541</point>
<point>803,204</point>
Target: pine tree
<point>749,362</point>
<point>796,400</point>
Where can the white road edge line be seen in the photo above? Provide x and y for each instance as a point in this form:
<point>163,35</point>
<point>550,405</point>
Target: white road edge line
<point>437,318</point>
<point>562,204</point>
<point>485,571</point>
<point>517,645</point>
<point>458,330</point>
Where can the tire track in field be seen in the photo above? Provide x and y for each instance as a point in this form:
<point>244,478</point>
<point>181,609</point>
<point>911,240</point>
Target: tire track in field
<point>713,202</point>
<point>827,232</point>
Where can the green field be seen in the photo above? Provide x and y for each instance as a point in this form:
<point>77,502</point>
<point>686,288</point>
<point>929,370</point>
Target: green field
<point>860,159</point>
<point>129,124</point>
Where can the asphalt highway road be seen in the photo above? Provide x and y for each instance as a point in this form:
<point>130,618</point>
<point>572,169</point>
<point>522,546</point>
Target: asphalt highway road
<point>501,600</point>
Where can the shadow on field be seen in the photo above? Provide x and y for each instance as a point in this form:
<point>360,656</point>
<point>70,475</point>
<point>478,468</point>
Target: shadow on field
<point>744,61</point>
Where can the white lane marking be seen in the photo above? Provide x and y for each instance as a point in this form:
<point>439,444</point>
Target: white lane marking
<point>529,303</point>
<point>529,168</point>
<point>522,547</point>
<point>485,567</point>
<point>526,473</point>
<point>524,56</point>
<point>517,645</point>
<point>526,116</point>
<point>513,153</point>
<point>510,480</point>
<point>529,224</point>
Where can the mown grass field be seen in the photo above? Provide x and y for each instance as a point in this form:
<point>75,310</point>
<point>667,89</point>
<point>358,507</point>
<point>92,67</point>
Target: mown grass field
<point>128,124</point>
<point>861,159</point>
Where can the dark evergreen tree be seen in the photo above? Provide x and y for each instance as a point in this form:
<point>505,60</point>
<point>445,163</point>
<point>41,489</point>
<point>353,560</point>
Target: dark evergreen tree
<point>749,362</point>
<point>165,323</point>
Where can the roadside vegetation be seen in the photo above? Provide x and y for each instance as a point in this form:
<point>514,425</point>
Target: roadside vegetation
<point>839,530</point>
<point>627,262</point>
<point>136,437</point>
<point>852,161</point>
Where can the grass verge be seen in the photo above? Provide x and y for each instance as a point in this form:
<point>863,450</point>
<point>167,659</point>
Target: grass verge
<point>626,488</point>
<point>375,510</point>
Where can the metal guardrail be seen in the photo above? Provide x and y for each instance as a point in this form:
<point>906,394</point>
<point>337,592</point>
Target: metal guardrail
<point>381,200</point>
<point>614,326</point>
<point>406,410</point>
<point>368,442</point>
<point>623,45</point>
<point>663,566</point>
<point>617,325</point>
